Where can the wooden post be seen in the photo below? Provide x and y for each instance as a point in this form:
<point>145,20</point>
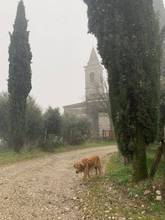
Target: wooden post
<point>156,161</point>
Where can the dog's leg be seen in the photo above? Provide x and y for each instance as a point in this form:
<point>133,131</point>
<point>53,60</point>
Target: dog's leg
<point>100,170</point>
<point>86,172</point>
<point>99,167</point>
<point>96,170</point>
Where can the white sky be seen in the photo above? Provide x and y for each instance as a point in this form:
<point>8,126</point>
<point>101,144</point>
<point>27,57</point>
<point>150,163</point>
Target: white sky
<point>60,46</point>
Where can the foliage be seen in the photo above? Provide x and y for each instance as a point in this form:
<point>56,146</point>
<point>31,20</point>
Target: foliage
<point>52,129</point>
<point>4,116</point>
<point>129,44</point>
<point>53,121</point>
<point>75,130</point>
<point>19,82</point>
<point>34,122</point>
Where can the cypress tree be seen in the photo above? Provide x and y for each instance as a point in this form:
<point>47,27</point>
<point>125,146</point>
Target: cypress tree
<point>19,82</point>
<point>128,42</point>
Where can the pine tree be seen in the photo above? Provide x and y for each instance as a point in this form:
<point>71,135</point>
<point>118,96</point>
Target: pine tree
<point>19,82</point>
<point>128,42</point>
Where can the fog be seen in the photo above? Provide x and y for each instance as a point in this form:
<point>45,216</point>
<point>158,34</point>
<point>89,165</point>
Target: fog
<point>60,45</point>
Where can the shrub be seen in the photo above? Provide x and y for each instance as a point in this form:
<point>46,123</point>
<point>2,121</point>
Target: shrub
<point>75,130</point>
<point>34,122</point>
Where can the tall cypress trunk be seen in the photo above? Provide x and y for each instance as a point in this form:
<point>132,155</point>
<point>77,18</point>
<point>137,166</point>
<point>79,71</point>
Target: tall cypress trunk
<point>17,118</point>
<point>140,171</point>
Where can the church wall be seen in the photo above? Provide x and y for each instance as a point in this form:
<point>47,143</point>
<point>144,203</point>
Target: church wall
<point>77,111</point>
<point>104,123</point>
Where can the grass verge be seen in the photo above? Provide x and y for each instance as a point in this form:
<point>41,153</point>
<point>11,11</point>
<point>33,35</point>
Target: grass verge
<point>83,146</point>
<point>10,157</point>
<point>115,196</point>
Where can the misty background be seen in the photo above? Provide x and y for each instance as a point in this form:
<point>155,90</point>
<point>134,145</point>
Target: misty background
<point>60,45</point>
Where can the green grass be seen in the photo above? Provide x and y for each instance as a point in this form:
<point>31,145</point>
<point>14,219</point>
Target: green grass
<point>120,196</point>
<point>117,192</point>
<point>65,148</point>
<point>121,176</point>
<point>9,157</point>
<point>117,172</point>
<point>97,143</point>
<point>151,155</point>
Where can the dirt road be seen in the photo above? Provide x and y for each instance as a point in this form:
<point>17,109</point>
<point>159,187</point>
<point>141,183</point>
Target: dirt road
<point>44,188</point>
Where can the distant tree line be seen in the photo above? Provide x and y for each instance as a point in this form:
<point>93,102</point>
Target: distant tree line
<point>45,130</point>
<point>22,123</point>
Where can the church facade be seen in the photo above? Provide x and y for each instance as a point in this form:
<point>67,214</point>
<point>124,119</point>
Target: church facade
<point>95,107</point>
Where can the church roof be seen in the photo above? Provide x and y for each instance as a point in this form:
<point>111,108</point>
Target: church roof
<point>93,60</point>
<point>77,105</point>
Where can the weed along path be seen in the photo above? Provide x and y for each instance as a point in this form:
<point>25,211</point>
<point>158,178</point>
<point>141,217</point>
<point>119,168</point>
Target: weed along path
<point>44,188</point>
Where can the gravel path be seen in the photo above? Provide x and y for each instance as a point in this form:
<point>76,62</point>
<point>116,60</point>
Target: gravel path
<point>44,188</point>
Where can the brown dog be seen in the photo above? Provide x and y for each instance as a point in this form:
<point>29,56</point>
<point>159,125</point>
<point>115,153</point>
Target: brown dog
<point>86,164</point>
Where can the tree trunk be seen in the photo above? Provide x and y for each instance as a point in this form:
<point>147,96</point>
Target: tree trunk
<point>17,123</point>
<point>139,159</point>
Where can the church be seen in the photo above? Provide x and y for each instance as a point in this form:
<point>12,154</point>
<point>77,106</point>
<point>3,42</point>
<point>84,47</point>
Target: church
<point>95,106</point>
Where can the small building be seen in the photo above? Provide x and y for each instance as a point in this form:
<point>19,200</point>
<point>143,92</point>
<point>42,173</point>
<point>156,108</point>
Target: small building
<point>95,107</point>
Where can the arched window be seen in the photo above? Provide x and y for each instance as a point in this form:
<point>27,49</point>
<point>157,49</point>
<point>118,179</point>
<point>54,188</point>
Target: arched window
<point>92,77</point>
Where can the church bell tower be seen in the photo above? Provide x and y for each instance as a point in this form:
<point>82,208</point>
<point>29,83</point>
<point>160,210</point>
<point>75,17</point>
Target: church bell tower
<point>93,77</point>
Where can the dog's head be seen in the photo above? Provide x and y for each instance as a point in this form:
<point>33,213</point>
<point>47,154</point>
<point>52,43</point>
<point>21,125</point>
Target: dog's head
<point>79,166</point>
